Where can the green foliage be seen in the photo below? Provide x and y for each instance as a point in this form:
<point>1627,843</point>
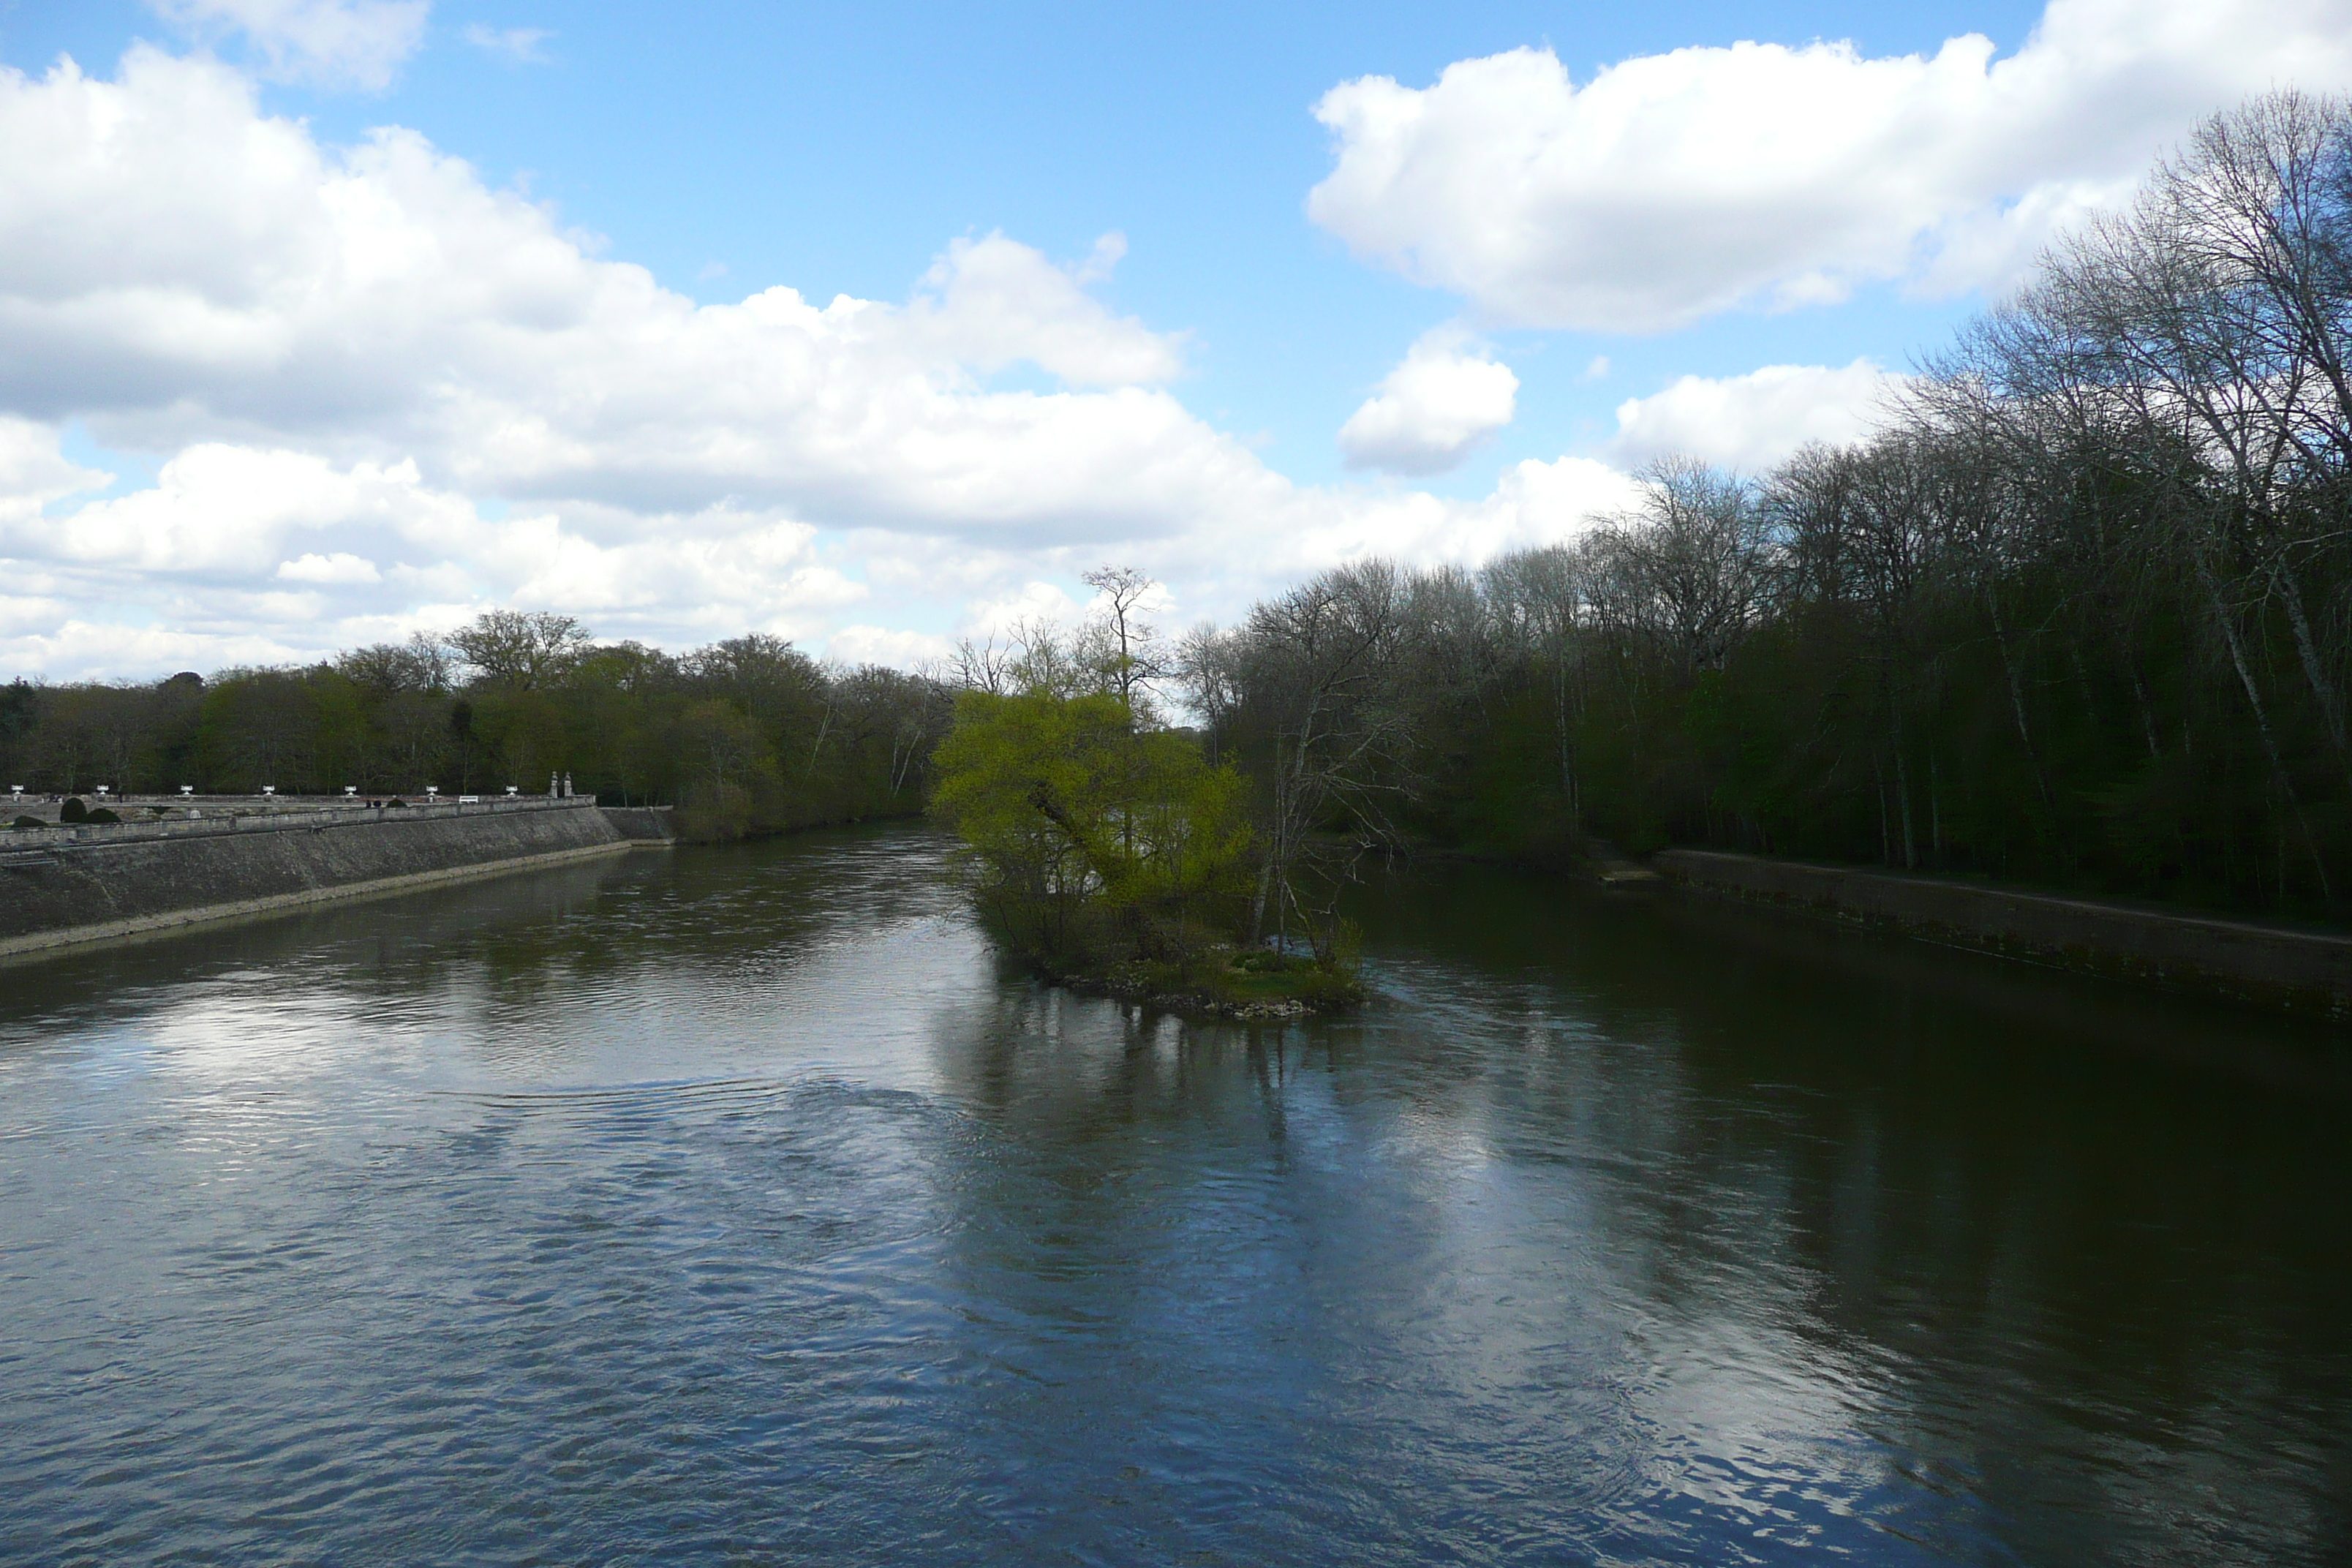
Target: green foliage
<point>747,736</point>
<point>1093,839</point>
<point>734,780</point>
<point>28,821</point>
<point>20,710</point>
<point>73,810</point>
<point>101,816</point>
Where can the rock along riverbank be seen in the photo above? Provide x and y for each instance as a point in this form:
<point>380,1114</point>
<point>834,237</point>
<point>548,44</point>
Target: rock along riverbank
<point>2282,968</point>
<point>74,884</point>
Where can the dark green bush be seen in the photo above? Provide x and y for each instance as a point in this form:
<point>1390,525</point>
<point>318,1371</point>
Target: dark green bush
<point>100,817</point>
<point>28,821</point>
<point>73,810</point>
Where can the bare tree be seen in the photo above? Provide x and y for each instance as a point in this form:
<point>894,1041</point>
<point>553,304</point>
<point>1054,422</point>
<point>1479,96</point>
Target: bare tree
<point>420,664</point>
<point>983,666</point>
<point>1319,666</point>
<point>1690,559</point>
<point>523,649</point>
<point>1537,598</point>
<point>1127,649</point>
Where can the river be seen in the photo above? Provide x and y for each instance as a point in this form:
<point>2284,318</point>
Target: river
<point>737,1206</point>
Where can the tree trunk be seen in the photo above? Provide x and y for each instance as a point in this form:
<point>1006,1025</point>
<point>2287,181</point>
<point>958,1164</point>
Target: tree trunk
<point>2315,672</point>
<point>2228,624</point>
<point>2016,695</point>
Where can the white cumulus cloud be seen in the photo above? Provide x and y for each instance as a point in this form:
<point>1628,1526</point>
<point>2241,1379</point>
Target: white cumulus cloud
<point>1432,410</point>
<point>1752,422</point>
<point>226,512</point>
<point>881,645</point>
<point>177,267</point>
<point>356,359</point>
<point>284,556</point>
<point>1670,186</point>
<point>35,472</point>
<point>336,568</point>
<point>1031,602</point>
<point>330,43</point>
<point>521,44</point>
<point>991,302</point>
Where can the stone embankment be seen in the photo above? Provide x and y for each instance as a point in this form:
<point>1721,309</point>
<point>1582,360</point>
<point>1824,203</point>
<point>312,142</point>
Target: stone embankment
<point>72,884</point>
<point>2279,967</point>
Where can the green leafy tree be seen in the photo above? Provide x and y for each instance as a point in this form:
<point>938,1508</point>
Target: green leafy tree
<point>20,716</point>
<point>731,782</point>
<point>749,736</point>
<point>1093,838</point>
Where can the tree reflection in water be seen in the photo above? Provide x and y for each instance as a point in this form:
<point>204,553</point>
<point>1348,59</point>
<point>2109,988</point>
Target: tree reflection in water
<point>736,1203</point>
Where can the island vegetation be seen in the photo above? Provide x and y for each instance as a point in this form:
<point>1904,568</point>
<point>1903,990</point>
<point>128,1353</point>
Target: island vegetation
<point>2079,615</point>
<point>1106,847</point>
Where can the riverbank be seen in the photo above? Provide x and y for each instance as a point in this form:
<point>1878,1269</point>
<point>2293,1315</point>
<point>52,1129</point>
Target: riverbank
<point>693,826</point>
<point>2286,969</point>
<point>70,884</point>
<point>1243,985</point>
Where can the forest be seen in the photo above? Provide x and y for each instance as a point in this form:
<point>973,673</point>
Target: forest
<point>746,736</point>
<point>2079,615</point>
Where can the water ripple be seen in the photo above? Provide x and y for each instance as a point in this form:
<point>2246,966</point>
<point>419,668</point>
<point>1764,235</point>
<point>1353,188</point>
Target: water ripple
<point>737,1206</point>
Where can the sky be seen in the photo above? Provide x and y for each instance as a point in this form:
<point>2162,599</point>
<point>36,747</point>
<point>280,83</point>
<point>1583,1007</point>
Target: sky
<point>873,326</point>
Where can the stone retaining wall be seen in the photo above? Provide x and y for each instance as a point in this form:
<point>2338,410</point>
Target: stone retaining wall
<point>2304,971</point>
<point>65,885</point>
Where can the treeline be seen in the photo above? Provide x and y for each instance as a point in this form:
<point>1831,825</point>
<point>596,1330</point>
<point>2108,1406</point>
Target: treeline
<point>2081,615</point>
<point>747,735</point>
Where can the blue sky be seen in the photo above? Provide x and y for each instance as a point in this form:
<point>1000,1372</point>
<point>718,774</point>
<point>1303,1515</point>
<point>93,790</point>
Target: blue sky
<point>842,149</point>
<point>836,148</point>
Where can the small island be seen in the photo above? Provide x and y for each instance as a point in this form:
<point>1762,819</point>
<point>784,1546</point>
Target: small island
<point>1105,849</point>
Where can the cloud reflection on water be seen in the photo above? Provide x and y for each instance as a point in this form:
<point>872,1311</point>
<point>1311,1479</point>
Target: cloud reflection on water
<point>1606,1234</point>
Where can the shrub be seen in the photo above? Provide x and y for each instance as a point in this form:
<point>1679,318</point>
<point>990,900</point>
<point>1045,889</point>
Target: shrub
<point>102,817</point>
<point>28,821</point>
<point>73,810</point>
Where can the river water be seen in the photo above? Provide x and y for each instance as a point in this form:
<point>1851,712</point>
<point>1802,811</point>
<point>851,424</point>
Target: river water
<point>735,1206</point>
